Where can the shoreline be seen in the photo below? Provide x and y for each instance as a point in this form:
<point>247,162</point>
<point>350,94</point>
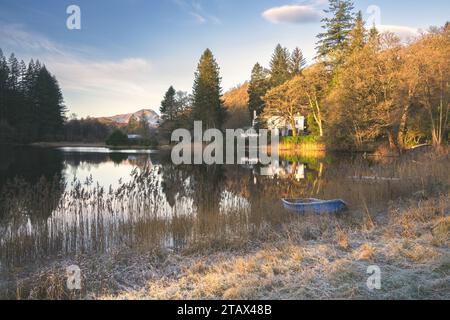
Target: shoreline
<point>319,148</point>
<point>88,145</point>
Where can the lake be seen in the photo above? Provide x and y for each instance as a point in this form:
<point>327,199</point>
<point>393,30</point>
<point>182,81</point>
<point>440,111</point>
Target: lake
<point>60,202</point>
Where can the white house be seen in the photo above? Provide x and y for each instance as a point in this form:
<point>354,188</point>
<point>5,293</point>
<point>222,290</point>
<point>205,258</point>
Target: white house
<point>134,136</point>
<point>282,126</point>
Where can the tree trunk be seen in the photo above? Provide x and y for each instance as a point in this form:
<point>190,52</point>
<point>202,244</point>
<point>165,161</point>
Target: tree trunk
<point>392,142</point>
<point>318,120</point>
<point>320,129</point>
<point>402,127</point>
<point>437,141</point>
<point>294,129</point>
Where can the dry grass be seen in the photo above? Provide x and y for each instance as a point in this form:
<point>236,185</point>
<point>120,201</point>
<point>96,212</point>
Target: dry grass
<point>365,253</point>
<point>412,267</point>
<point>261,253</point>
<point>342,239</point>
<point>314,258</point>
<point>308,147</point>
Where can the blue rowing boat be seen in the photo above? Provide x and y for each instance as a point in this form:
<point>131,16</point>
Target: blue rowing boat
<point>314,205</point>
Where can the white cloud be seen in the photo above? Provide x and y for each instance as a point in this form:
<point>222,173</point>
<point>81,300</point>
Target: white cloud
<point>90,86</point>
<point>104,87</point>
<point>402,32</point>
<point>292,14</point>
<point>123,77</point>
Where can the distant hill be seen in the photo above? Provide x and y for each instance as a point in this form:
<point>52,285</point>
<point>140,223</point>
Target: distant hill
<point>152,118</point>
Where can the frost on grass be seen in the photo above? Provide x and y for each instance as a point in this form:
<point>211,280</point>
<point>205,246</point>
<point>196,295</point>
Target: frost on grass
<point>411,247</point>
<point>309,257</point>
<point>411,250</point>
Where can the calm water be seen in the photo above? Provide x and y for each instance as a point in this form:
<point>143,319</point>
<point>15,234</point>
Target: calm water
<point>62,202</point>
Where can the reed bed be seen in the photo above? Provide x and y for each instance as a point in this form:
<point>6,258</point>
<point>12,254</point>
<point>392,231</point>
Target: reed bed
<point>133,240</point>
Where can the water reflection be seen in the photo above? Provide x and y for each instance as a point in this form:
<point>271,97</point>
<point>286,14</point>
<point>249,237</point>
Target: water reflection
<point>70,201</point>
<point>31,164</point>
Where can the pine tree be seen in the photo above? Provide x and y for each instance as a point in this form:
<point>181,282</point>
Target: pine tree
<point>30,77</point>
<point>337,28</point>
<point>257,89</point>
<point>279,66</point>
<point>297,62</point>
<point>49,105</point>
<point>21,105</point>
<point>183,101</point>
<point>358,35</point>
<point>31,102</point>
<point>169,105</point>
<point>22,76</point>
<point>13,97</point>
<point>4,75</point>
<point>14,72</point>
<point>374,35</point>
<point>32,116</point>
<point>207,103</point>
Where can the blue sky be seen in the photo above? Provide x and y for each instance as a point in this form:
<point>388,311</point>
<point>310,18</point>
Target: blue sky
<point>128,52</point>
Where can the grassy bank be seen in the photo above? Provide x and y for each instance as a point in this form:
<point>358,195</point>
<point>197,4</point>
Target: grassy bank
<point>302,144</point>
<point>317,257</point>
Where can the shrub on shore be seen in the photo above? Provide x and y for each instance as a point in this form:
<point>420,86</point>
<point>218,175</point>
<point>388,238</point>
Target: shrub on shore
<point>306,143</point>
<point>117,138</point>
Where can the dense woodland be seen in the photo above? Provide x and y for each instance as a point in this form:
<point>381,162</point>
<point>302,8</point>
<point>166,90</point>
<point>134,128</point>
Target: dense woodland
<point>31,102</point>
<point>86,130</point>
<point>364,88</point>
<point>367,88</point>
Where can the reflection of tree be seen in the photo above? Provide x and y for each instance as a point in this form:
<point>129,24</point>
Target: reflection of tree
<point>118,158</point>
<point>174,186</point>
<point>318,181</point>
<point>30,181</point>
<point>77,158</point>
<point>207,183</point>
<point>21,199</point>
<point>204,185</point>
<point>29,163</point>
<point>173,182</point>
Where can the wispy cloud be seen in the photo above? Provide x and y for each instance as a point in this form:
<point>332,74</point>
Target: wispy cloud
<point>91,86</point>
<point>292,14</point>
<point>15,35</point>
<point>195,9</point>
<point>124,77</point>
<point>403,32</point>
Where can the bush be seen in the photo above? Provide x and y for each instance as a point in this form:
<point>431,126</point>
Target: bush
<point>117,138</point>
<point>300,140</point>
